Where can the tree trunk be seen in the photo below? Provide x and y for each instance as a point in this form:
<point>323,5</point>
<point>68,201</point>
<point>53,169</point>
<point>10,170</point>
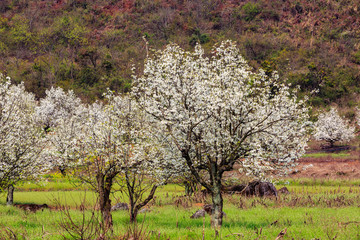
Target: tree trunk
<point>133,213</point>
<point>10,195</point>
<point>217,213</point>
<point>134,208</point>
<point>217,200</point>
<point>104,189</point>
<point>190,188</point>
<point>62,170</point>
<point>214,187</point>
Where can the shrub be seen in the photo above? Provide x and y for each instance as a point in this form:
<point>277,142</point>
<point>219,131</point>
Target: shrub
<point>356,57</point>
<point>251,10</point>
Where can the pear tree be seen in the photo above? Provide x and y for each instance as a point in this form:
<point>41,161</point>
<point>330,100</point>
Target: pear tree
<point>217,112</point>
<point>331,128</point>
<point>111,140</point>
<point>21,137</point>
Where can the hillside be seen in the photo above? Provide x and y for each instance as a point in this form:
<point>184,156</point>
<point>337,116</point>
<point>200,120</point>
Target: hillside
<point>89,45</point>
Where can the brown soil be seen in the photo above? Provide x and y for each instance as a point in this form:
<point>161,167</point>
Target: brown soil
<point>327,168</point>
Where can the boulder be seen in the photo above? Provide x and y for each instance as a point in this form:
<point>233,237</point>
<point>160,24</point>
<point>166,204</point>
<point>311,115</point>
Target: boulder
<point>120,206</point>
<point>265,189</point>
<point>198,214</point>
<point>283,190</point>
<point>207,208</point>
<point>255,188</point>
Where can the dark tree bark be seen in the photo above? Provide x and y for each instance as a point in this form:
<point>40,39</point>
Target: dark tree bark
<point>10,195</point>
<point>105,182</point>
<point>217,200</point>
<point>135,193</point>
<point>214,187</point>
<point>134,210</point>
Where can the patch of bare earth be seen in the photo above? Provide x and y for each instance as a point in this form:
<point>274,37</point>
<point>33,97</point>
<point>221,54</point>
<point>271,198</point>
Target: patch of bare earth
<point>327,167</point>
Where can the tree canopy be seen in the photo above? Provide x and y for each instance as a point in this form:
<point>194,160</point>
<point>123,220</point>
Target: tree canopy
<point>21,136</point>
<point>331,128</point>
<point>218,112</point>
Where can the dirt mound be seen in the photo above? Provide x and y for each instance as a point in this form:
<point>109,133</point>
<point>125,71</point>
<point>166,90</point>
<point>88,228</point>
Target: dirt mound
<point>31,207</point>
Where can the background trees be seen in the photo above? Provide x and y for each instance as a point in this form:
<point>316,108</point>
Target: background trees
<point>61,115</point>
<point>21,137</point>
<point>108,141</point>
<point>91,45</point>
<point>217,112</point>
<point>331,128</point>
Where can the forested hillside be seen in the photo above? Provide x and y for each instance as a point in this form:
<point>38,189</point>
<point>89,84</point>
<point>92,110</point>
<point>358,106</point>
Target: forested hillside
<point>89,45</point>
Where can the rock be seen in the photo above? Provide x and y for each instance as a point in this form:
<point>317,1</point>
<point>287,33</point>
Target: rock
<point>255,188</point>
<point>144,210</point>
<point>32,207</point>
<point>265,189</point>
<point>283,190</point>
<point>120,206</point>
<point>206,209</point>
<point>198,214</point>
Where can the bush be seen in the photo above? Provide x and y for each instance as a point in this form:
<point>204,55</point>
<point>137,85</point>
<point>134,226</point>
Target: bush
<point>198,37</point>
<point>356,57</point>
<point>251,10</point>
<point>270,15</point>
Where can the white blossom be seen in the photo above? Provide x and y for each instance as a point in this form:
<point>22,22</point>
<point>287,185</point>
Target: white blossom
<point>21,138</point>
<point>62,116</point>
<point>331,128</point>
<point>56,106</point>
<point>218,112</point>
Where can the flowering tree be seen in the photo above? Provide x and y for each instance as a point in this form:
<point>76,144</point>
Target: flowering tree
<point>57,105</point>
<point>142,156</point>
<point>331,128</point>
<point>110,140</point>
<point>217,112</point>
<point>21,137</point>
<point>61,114</point>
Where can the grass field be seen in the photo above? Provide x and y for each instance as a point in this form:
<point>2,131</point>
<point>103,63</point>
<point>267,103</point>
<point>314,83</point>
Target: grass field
<point>174,223</point>
<point>313,210</point>
<point>323,154</point>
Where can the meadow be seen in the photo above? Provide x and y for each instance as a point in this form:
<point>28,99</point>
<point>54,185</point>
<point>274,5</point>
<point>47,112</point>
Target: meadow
<point>314,209</point>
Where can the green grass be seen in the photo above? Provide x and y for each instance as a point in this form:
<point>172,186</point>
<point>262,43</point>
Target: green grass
<point>323,154</point>
<point>318,182</point>
<point>174,223</point>
<point>309,212</point>
<point>53,182</point>
<point>68,198</point>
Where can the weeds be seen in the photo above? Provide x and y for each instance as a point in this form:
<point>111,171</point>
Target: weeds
<point>321,212</point>
<point>89,226</point>
<point>136,232</point>
<point>10,234</point>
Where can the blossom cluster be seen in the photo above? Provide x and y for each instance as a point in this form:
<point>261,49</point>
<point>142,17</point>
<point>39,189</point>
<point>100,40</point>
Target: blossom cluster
<point>217,110</point>
<point>187,112</point>
<point>331,128</point>
<point>21,138</point>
